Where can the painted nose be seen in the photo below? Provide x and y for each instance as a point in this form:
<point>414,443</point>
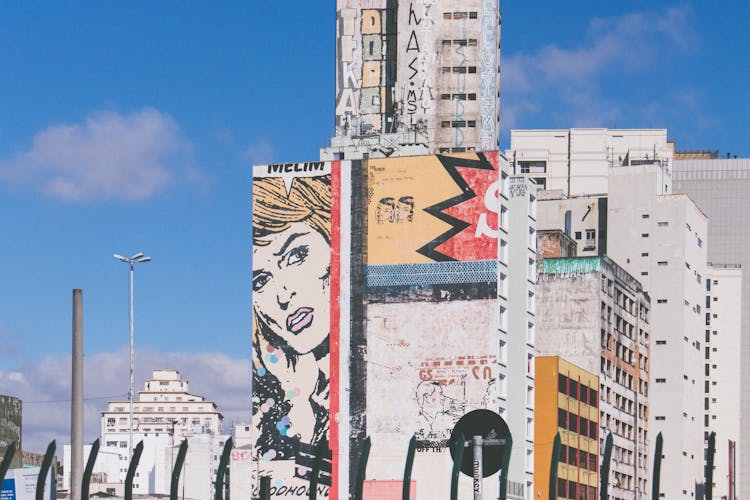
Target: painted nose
<point>284,297</point>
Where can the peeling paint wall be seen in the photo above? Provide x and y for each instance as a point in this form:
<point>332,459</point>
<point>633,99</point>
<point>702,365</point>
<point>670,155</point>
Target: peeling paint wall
<point>430,309</point>
<point>10,421</point>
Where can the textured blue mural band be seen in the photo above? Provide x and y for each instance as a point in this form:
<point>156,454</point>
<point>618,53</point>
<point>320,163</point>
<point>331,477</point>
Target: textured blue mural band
<point>433,273</point>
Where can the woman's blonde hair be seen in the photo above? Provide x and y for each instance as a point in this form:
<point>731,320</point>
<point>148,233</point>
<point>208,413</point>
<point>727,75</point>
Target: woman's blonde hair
<point>308,201</point>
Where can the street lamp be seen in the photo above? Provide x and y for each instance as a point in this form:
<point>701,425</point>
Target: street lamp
<point>132,261</point>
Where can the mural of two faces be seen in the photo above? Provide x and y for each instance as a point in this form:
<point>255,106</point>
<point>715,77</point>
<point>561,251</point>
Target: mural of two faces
<point>416,322</point>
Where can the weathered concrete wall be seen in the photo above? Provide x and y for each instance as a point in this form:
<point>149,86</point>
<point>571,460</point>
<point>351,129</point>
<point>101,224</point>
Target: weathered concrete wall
<point>10,421</point>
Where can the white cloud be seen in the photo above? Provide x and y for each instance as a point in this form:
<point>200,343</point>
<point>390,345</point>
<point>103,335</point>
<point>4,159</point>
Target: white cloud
<point>259,152</point>
<point>108,156</point>
<point>45,387</point>
<point>632,48</point>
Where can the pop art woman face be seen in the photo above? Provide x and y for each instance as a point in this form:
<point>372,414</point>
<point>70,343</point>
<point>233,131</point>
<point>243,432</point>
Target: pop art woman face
<point>291,278</point>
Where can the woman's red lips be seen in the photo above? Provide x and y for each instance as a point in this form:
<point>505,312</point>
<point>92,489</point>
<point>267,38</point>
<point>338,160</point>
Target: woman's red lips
<point>299,320</point>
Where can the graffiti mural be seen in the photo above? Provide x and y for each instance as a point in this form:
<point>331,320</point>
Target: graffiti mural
<point>432,209</point>
<point>292,291</point>
<point>366,67</point>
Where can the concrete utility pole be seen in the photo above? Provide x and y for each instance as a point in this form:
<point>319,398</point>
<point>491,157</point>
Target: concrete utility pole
<point>76,404</point>
<point>132,261</point>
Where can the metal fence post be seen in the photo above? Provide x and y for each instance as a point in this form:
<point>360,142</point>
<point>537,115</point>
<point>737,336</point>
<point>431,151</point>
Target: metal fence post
<point>175,484</point>
<point>86,480</point>
<point>42,478</point>
<point>265,487</point>
<point>657,467</point>
<point>553,465</point>
<point>604,480</point>
<point>222,470</point>
<point>458,459</point>
<point>406,490</point>
<point>362,469</point>
<point>131,471</point>
<point>5,464</point>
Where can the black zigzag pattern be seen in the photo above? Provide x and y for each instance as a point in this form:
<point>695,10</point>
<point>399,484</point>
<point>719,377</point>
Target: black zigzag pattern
<point>429,250</point>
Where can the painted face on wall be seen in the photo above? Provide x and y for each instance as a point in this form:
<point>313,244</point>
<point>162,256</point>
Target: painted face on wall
<point>291,278</point>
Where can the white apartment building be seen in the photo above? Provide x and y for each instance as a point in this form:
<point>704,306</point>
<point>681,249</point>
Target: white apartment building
<point>416,78</point>
<point>164,413</point>
<point>661,240</point>
<point>517,331</point>
<point>720,187</point>
<point>577,160</point>
<point>722,364</point>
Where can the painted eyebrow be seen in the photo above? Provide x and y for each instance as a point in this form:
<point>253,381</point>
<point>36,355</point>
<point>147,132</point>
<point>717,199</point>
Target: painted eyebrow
<point>258,272</point>
<point>289,242</point>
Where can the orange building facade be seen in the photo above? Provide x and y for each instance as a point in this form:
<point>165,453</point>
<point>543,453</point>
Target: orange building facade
<point>566,401</point>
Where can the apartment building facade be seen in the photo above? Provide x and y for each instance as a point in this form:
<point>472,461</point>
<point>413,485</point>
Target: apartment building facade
<point>576,161</point>
<point>566,402</point>
<point>416,77</point>
<point>594,314</point>
<point>720,187</point>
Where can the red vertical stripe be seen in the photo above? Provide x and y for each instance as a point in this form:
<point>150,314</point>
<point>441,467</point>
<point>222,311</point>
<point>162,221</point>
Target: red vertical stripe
<point>335,315</point>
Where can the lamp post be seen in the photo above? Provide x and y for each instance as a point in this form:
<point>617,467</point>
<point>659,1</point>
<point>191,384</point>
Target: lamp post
<point>132,261</point>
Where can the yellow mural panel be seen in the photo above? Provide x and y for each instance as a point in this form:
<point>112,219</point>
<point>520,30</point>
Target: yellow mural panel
<point>399,190</point>
<point>432,208</point>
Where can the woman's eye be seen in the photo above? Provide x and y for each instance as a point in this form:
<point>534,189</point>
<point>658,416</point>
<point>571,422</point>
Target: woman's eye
<point>260,281</point>
<point>297,255</point>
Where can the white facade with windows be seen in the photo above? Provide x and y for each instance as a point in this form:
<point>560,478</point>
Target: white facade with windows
<point>723,359</point>
<point>164,413</point>
<point>661,240</point>
<point>720,187</point>
<point>576,161</point>
<point>519,332</point>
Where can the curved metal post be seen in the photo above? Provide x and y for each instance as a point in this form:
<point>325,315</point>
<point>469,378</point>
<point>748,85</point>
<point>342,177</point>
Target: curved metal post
<point>406,490</point>
<point>174,485</point>
<point>42,478</point>
<point>222,470</point>
<point>131,471</point>
<point>86,479</point>
<point>362,469</point>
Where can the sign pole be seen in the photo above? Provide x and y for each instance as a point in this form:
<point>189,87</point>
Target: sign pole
<point>477,466</point>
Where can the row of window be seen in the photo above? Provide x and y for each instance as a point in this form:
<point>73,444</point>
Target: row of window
<point>458,97</point>
<point>571,489</point>
<point>577,391</point>
<point>460,15</point>
<point>456,70</point>
<point>458,123</point>
<point>574,423</point>
<point>578,458</point>
<point>463,42</point>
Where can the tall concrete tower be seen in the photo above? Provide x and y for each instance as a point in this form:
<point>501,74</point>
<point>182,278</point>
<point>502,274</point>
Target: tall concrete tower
<point>416,77</point>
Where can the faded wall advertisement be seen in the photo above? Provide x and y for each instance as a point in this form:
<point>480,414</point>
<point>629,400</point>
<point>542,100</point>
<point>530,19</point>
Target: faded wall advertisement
<point>431,308</point>
<point>295,287</point>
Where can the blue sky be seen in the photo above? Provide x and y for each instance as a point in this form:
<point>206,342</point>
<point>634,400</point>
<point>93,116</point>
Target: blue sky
<point>128,127</point>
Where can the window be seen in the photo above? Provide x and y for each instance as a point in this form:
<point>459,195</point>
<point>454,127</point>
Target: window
<point>590,234</point>
<point>663,224</point>
<point>644,216</point>
<point>661,342</point>
<point>661,301</point>
<point>644,235</point>
<point>578,235</point>
<point>661,380</point>
<point>663,263</point>
<point>660,418</point>
<point>644,254</point>
<point>110,422</point>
